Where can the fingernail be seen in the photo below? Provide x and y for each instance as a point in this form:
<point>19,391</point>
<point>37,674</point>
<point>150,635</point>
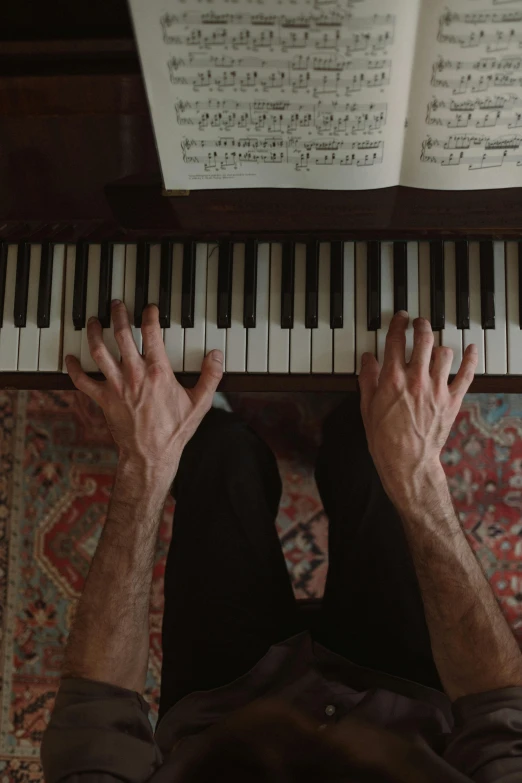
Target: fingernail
<point>116,302</point>
<point>217,356</point>
<point>92,319</point>
<point>402,313</point>
<point>67,358</point>
<point>364,358</point>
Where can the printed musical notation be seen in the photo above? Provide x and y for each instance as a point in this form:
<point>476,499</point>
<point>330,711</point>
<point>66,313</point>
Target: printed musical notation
<point>304,84</point>
<point>232,153</point>
<point>496,112</point>
<point>341,32</point>
<point>330,78</point>
<point>475,152</point>
<point>282,116</point>
<point>478,92</point>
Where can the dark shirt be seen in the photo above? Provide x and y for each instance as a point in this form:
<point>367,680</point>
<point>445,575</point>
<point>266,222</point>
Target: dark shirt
<point>102,732</point>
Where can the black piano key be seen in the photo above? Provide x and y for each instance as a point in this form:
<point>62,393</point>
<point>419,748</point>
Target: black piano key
<point>487,285</point>
<point>437,303</point>
<point>3,270</point>
<point>462,283</point>
<point>105,285</point>
<point>80,285</point>
<point>519,283</point>
<point>23,266</point>
<point>400,277</point>
<point>312,285</point>
<point>43,313</point>
<point>336,285</point>
<point>165,289</point>
<point>250,287</point>
<point>373,274</point>
<point>188,285</point>
<point>287,285</point>
<point>224,295</point>
<point>141,292</point>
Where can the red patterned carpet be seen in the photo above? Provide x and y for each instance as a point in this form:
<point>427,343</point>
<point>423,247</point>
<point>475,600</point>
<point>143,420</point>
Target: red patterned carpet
<point>57,468</point>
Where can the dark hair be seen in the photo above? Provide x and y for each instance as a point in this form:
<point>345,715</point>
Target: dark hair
<point>270,742</point>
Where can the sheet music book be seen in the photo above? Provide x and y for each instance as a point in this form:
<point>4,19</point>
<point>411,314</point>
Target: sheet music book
<point>334,94</point>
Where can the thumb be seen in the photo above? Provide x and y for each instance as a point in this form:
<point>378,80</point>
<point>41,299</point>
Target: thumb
<point>368,381</point>
<point>211,374</point>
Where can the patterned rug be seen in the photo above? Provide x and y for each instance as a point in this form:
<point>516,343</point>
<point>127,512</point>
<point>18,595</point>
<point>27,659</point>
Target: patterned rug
<point>57,467</point>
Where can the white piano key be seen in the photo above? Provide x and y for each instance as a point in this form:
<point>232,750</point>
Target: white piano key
<point>514,333</point>
<point>344,338</point>
<point>72,338</point>
<point>322,337</point>
<point>496,339</point>
<point>424,287</point>
<point>91,305</point>
<point>129,290</point>
<point>412,267</point>
<point>300,336</point>
<point>386,297</point>
<point>49,358</point>
<point>214,337</point>
<point>475,333</point>
<point>195,337</point>
<point>154,276</point>
<point>451,337</point>
<point>257,337</point>
<point>9,333</point>
<point>29,344</point>
<point>117,292</point>
<point>365,341</point>
<point>278,339</point>
<point>237,334</point>
<point>175,334</point>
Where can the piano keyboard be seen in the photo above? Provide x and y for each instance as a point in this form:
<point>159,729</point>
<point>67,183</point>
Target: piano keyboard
<point>304,308</point>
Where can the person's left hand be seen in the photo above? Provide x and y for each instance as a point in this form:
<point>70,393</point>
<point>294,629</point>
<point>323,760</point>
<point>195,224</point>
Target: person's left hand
<point>149,414</point>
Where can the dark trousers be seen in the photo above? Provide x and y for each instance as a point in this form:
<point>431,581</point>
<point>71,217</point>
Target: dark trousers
<point>228,595</point>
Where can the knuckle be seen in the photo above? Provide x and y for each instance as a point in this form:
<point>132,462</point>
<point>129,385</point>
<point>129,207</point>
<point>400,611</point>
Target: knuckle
<point>425,339</point>
<point>97,351</point>
<point>155,370</point>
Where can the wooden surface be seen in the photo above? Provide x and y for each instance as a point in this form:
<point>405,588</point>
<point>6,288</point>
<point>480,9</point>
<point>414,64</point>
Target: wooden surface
<point>251,383</point>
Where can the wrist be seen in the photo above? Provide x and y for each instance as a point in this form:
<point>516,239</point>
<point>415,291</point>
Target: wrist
<point>141,477</point>
<point>417,488</point>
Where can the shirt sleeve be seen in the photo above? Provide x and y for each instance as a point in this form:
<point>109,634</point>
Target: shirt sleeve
<point>98,731</point>
<point>486,743</point>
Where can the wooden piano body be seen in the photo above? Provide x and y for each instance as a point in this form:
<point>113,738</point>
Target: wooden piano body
<point>78,161</point>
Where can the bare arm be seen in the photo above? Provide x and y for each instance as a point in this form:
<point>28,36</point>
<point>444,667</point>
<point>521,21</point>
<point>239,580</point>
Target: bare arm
<point>408,410</point>
<point>151,418</point>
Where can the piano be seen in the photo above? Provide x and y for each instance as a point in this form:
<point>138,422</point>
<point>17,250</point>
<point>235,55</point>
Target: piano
<point>293,286</point>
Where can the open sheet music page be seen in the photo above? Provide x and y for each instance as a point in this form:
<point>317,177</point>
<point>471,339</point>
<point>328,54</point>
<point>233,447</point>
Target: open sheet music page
<point>278,93</point>
<point>465,113</point>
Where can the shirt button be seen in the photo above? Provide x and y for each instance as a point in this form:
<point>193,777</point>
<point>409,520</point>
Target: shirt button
<point>330,710</point>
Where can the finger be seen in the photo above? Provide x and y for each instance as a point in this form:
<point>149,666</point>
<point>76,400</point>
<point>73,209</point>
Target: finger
<point>123,333</point>
<point>462,381</point>
<point>89,386</point>
<point>395,348</point>
<point>211,374</point>
<point>99,351</point>
<point>153,347</point>
<point>442,361</point>
<point>368,381</point>
<point>422,346</point>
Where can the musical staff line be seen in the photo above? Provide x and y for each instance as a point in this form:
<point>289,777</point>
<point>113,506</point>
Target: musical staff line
<point>231,153</point>
<point>279,116</point>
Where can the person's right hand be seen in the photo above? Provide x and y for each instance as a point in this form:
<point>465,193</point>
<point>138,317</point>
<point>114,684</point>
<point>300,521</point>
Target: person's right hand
<point>408,408</point>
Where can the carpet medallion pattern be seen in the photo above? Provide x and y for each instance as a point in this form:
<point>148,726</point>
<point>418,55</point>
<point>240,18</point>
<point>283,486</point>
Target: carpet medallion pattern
<point>57,466</point>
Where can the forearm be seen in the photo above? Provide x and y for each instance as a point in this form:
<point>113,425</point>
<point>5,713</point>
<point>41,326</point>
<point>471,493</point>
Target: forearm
<point>109,640</point>
<point>472,644</point>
